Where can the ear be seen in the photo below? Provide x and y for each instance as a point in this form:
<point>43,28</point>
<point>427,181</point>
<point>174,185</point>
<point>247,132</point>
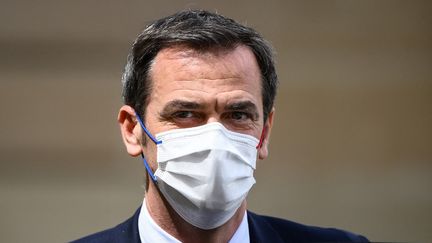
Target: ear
<point>130,130</point>
<point>263,150</point>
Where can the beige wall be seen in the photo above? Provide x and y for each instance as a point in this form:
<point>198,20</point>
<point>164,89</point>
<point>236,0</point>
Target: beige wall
<point>351,147</point>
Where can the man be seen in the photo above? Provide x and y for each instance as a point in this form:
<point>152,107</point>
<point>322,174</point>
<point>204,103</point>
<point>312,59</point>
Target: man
<point>198,91</point>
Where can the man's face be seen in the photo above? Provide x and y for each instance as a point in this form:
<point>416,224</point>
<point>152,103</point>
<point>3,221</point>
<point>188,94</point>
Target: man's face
<point>191,88</point>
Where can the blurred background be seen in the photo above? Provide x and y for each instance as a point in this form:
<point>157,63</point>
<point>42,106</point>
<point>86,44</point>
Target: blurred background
<point>351,147</point>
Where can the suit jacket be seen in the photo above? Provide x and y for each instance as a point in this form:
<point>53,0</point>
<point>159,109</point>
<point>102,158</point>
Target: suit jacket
<point>261,229</point>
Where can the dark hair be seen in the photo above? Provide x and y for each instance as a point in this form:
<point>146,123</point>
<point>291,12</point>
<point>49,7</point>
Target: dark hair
<point>200,30</point>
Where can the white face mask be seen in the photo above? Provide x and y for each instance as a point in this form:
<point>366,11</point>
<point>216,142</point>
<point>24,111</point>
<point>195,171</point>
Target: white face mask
<point>204,172</point>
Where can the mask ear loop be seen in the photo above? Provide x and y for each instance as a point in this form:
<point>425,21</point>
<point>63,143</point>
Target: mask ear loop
<point>147,131</point>
<point>149,171</point>
<point>263,134</point>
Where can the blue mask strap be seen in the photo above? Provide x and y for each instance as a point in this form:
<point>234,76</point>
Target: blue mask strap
<point>149,171</point>
<point>147,131</point>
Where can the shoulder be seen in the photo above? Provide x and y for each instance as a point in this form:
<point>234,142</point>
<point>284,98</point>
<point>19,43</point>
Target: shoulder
<point>124,232</point>
<point>263,228</point>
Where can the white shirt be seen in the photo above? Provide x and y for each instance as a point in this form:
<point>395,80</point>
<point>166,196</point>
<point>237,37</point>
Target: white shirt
<point>150,232</point>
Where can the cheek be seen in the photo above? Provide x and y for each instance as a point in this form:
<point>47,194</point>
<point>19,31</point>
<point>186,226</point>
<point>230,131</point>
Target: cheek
<point>150,153</point>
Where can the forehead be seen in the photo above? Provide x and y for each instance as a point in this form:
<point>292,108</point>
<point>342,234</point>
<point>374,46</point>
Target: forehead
<point>215,70</point>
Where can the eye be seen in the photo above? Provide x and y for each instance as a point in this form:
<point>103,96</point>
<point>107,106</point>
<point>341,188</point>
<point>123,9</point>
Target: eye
<point>238,120</point>
<point>239,116</point>
<point>186,118</point>
<point>183,115</point>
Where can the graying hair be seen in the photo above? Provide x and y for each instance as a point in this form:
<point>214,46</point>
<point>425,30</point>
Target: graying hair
<point>202,31</point>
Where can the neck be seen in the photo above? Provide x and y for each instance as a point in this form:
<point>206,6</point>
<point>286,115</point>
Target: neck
<point>165,216</point>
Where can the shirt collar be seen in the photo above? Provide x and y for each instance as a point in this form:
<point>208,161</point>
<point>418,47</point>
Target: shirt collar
<point>149,231</point>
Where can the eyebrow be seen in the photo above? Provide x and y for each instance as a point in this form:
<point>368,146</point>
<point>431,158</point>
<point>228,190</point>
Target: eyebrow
<point>247,106</point>
<point>176,105</point>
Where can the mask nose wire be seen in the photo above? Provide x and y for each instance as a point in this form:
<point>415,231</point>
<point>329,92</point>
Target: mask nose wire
<point>149,171</point>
